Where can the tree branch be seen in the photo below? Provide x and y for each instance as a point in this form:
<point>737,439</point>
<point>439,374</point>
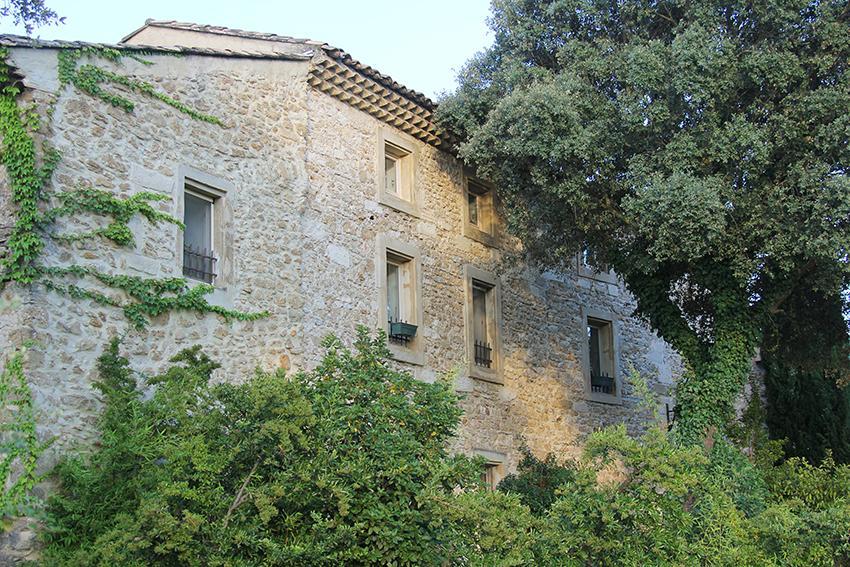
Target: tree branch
<point>239,499</point>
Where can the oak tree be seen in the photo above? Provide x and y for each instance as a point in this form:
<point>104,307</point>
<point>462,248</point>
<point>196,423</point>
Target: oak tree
<point>697,147</point>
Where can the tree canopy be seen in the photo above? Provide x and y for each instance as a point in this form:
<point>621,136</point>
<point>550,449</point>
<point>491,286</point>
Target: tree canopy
<point>699,148</point>
<point>30,13</point>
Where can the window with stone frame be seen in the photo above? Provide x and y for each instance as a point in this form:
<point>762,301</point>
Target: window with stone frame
<point>397,172</point>
<point>199,255</point>
<point>493,468</point>
<point>479,221</point>
<point>400,292</point>
<point>587,268</point>
<point>483,325</point>
<point>601,351</point>
<point>399,285</point>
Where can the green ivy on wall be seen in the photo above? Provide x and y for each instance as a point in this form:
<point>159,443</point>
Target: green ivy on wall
<point>90,78</point>
<point>29,171</point>
<point>20,447</point>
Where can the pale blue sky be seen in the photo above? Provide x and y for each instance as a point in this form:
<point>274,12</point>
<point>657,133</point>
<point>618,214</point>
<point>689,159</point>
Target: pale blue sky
<point>420,44</point>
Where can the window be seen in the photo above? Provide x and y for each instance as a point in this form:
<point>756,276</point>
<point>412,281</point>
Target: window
<point>493,469</point>
<point>203,250</point>
<point>198,255</point>
<point>488,477</point>
<point>481,325</point>
<point>584,261</point>
<point>601,349</point>
<point>393,157</point>
<point>478,215</point>
<point>200,237</point>
<point>472,204</point>
<point>400,297</point>
<point>399,287</point>
<point>483,322</point>
<point>601,372</point>
<point>397,172</point>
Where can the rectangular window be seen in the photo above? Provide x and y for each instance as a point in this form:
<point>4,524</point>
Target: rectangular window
<point>399,269</point>
<point>199,260</point>
<point>393,297</point>
<point>472,203</point>
<point>601,357</point>
<point>481,325</point>
<point>479,220</point>
<point>397,172</point>
<point>488,477</point>
<point>391,173</point>
<point>401,300</point>
<point>483,322</point>
<point>493,469</point>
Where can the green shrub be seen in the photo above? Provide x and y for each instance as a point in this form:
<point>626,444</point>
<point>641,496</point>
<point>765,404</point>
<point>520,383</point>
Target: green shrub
<point>487,528</point>
<point>343,465</point>
<point>347,465</point>
<point>659,506</point>
<point>647,501</point>
<point>809,520</point>
<point>809,410</point>
<point>536,481</point>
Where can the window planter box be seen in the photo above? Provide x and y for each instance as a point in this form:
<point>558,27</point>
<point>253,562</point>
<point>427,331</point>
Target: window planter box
<point>402,330</point>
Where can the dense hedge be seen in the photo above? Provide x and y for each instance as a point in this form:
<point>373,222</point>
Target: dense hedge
<point>347,465</point>
<point>809,410</point>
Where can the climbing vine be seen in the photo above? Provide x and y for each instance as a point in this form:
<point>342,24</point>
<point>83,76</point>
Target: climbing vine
<point>20,447</point>
<point>104,203</point>
<point>29,171</point>
<point>91,78</point>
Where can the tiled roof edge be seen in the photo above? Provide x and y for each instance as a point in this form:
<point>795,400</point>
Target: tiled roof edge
<point>222,30</point>
<point>378,77</point>
<point>8,40</point>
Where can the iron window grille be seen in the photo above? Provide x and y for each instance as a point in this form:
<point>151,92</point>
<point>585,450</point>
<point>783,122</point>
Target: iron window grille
<point>483,354</point>
<point>199,264</point>
<point>601,383</point>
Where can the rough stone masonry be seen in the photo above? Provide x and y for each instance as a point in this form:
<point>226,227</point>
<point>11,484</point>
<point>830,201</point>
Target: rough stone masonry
<point>299,221</point>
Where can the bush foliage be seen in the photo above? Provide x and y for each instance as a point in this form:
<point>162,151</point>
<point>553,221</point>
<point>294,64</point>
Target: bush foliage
<point>810,410</point>
<point>348,464</point>
<point>647,501</point>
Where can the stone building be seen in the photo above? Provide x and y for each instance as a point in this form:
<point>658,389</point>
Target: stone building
<point>329,199</point>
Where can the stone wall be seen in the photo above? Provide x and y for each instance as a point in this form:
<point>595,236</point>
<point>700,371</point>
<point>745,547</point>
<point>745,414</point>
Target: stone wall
<point>301,233</point>
<point>261,153</point>
<point>542,400</point>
